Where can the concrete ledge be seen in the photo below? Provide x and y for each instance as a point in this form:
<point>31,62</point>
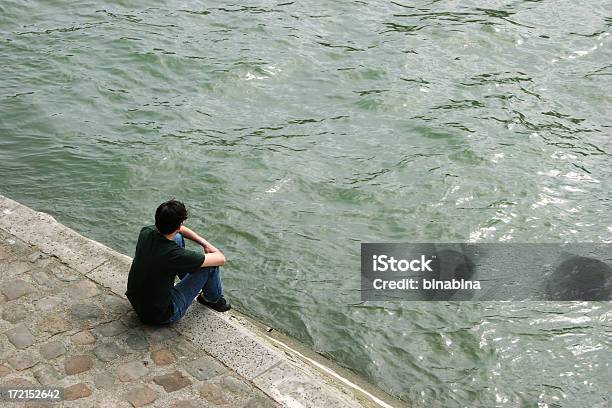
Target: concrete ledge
<point>285,375</point>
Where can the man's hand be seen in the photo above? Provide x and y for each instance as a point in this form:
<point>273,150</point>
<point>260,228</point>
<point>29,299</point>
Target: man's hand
<point>209,248</point>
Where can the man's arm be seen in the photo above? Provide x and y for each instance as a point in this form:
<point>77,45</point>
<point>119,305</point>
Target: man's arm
<point>189,234</point>
<point>214,257</point>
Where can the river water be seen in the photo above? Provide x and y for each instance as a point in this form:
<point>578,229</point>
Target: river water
<point>295,131</point>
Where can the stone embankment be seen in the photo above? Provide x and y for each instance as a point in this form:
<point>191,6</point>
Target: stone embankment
<point>66,323</point>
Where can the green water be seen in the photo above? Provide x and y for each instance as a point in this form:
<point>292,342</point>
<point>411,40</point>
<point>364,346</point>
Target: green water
<point>296,131</point>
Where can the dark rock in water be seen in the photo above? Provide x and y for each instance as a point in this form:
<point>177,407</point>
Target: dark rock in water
<point>449,265</point>
<point>580,278</point>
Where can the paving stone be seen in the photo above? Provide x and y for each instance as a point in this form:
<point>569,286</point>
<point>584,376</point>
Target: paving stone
<point>108,351</point>
<point>131,319</point>
<point>17,288</point>
<point>163,357</point>
<point>86,311</point>
<point>23,360</point>
<point>15,313</point>
<point>20,382</point>
<point>227,390</point>
<point>47,375</point>
<point>17,246</point>
<point>137,341</point>
<point>213,393</point>
<point>83,337</point>
<point>116,304</point>
<point>110,329</point>
<point>4,370</point>
<point>20,336</point>
<point>184,348</point>
<point>43,264</point>
<point>131,371</point>
<point>260,401</point>
<point>78,364</point>
<point>38,404</point>
<point>140,396</point>
<point>104,380</point>
<point>4,265</point>
<point>44,280</point>
<point>48,303</point>
<point>16,268</point>
<point>205,368</point>
<point>76,391</point>
<point>235,385</point>
<point>36,256</point>
<point>172,381</point>
<point>54,324</point>
<point>64,274</point>
<point>159,334</point>
<point>189,404</point>
<point>52,349</point>
<point>83,289</point>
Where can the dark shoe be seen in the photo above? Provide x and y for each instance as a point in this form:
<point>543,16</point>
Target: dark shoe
<point>220,305</point>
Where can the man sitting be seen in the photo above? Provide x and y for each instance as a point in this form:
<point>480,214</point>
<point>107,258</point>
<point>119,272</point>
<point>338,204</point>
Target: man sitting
<point>160,256</point>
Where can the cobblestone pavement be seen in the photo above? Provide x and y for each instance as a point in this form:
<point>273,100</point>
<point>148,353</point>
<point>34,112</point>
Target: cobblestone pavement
<point>58,328</point>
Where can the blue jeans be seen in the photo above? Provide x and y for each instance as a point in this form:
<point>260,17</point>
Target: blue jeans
<point>205,279</point>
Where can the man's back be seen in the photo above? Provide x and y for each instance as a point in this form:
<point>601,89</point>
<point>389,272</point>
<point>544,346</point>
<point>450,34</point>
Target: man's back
<point>156,263</point>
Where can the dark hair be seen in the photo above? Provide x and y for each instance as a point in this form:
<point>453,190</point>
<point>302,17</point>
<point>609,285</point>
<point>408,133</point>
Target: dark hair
<point>169,216</point>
